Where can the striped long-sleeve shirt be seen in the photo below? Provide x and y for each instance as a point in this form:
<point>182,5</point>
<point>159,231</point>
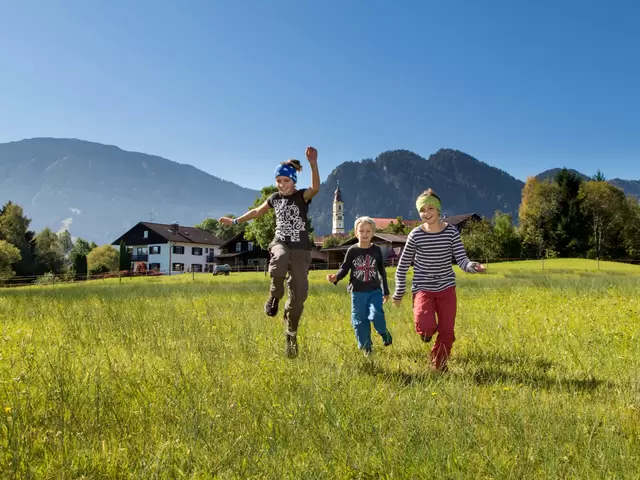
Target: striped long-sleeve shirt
<point>431,254</point>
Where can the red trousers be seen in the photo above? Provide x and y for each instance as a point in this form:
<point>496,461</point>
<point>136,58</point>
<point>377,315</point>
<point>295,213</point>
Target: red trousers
<point>436,312</point>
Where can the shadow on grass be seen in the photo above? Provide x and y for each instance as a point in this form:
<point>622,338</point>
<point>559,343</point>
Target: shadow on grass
<point>476,357</point>
<point>486,369</point>
<point>489,368</point>
<point>494,375</point>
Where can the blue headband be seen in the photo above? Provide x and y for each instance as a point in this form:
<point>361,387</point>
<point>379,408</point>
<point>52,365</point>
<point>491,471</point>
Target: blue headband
<point>287,171</point>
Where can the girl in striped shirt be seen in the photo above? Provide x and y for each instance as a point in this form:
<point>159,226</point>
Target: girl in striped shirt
<point>430,247</point>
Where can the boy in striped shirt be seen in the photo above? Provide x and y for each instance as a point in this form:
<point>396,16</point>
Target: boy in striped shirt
<point>430,248</point>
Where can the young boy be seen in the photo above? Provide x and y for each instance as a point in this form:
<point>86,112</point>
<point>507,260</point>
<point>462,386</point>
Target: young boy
<point>367,284</point>
<point>290,250</point>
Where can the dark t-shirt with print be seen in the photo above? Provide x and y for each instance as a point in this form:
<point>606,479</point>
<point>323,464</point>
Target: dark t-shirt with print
<point>367,269</point>
<point>291,219</point>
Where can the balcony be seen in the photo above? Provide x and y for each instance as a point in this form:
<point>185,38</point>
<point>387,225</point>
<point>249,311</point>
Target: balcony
<point>211,258</point>
<point>140,258</point>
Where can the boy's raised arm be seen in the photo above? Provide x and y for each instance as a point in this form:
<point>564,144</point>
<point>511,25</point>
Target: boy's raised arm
<point>312,157</point>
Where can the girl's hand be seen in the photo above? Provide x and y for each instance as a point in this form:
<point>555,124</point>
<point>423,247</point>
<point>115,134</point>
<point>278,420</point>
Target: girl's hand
<point>478,267</point>
<point>332,277</point>
<point>385,299</point>
<point>312,155</point>
<point>226,221</point>
<point>397,302</point>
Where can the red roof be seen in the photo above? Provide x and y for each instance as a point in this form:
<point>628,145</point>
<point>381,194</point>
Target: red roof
<point>385,222</point>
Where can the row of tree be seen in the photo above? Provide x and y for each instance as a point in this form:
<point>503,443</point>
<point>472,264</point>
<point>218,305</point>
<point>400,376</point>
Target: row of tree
<point>24,253</point>
<point>562,217</point>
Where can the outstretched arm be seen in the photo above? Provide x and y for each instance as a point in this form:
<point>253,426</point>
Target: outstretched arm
<point>312,157</point>
<point>343,270</point>
<point>460,254</point>
<point>250,215</point>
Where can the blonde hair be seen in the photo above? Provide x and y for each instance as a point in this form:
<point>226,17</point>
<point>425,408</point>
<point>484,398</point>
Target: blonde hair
<point>361,220</point>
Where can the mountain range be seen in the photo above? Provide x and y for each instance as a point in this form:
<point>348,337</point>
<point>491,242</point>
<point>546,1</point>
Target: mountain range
<point>98,191</point>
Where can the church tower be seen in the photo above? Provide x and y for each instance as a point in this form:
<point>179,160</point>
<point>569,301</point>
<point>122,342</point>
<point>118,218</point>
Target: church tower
<point>338,211</point>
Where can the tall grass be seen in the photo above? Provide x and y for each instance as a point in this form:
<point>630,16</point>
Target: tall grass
<point>175,377</point>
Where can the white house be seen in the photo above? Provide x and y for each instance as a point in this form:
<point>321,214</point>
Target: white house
<point>171,248</point>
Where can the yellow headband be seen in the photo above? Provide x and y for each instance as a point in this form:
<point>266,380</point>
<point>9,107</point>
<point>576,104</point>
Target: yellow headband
<point>423,200</point>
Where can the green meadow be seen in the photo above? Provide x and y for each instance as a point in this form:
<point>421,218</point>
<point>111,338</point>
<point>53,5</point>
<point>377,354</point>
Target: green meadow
<point>185,377</point>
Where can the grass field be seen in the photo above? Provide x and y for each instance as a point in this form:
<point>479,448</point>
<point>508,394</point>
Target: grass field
<point>183,378</point>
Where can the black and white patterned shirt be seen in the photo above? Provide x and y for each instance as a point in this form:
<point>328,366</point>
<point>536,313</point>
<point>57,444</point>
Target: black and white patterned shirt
<point>367,269</point>
<point>291,219</point>
<point>431,255</point>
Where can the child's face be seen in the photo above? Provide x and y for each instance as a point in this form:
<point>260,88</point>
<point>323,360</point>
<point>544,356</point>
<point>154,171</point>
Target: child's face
<point>285,185</point>
<point>364,232</point>
<point>430,214</point>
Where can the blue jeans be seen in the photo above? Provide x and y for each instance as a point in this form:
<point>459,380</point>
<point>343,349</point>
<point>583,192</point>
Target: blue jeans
<point>366,307</point>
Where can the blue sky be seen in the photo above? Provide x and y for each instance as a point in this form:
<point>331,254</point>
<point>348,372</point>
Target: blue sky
<point>236,87</point>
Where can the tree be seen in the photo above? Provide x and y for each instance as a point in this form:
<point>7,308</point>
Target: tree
<point>479,240</point>
<point>397,228</point>
<point>49,257</point>
<point>14,228</point>
<point>569,236</point>
<point>631,229</point>
<point>599,177</point>
<point>13,225</point>
<point>9,255</point>
<point>505,236</point>
<point>81,247</point>
<point>223,232</point>
<point>605,206</point>
<point>332,241</point>
<point>537,214</point>
<point>102,259</point>
<point>66,242</point>
<point>80,265</point>
<point>263,229</point>
<point>124,256</point>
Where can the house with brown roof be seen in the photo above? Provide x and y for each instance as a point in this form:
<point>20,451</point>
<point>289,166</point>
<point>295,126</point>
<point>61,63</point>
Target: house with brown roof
<point>240,252</point>
<point>390,244</point>
<point>170,248</point>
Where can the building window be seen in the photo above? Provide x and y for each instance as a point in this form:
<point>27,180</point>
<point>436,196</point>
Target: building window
<point>206,250</point>
<point>178,250</point>
<point>339,217</point>
<point>141,250</point>
<point>239,247</point>
<point>154,250</point>
<point>154,266</point>
<point>196,250</point>
<point>145,234</point>
<point>177,267</point>
<point>196,267</point>
<point>250,246</point>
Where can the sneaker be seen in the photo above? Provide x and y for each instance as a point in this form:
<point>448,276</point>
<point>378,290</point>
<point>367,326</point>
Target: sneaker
<point>388,339</point>
<point>368,352</point>
<point>426,338</point>
<point>271,307</point>
<point>291,346</point>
